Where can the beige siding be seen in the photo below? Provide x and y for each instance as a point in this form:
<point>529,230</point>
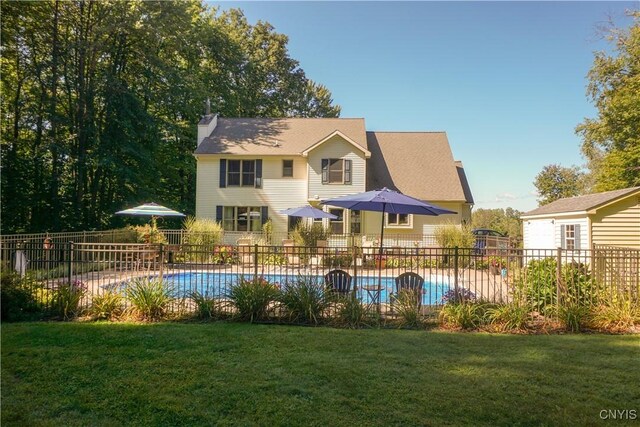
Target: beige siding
<point>618,224</point>
<point>277,193</point>
<point>421,224</point>
<point>335,148</point>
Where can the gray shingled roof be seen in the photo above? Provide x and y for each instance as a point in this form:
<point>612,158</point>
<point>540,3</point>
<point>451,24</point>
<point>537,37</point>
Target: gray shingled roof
<point>419,164</point>
<point>289,136</point>
<point>580,203</point>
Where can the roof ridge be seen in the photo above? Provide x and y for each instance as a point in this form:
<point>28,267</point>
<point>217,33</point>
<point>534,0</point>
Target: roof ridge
<point>290,118</point>
<point>406,131</point>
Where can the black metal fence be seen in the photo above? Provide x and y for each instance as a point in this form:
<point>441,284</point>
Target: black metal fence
<point>540,277</point>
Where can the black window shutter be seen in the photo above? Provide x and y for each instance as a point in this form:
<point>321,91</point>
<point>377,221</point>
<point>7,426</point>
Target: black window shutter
<point>258,173</point>
<point>219,213</point>
<point>347,171</point>
<point>265,213</point>
<point>325,171</point>
<point>223,173</point>
<point>563,235</point>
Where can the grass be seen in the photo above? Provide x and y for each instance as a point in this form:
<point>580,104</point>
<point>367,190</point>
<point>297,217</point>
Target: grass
<point>242,374</point>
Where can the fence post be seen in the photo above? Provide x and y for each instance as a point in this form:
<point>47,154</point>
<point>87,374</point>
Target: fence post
<point>558,275</point>
<point>161,260</point>
<point>70,266</point>
<point>455,270</point>
<point>354,260</point>
<point>255,263</point>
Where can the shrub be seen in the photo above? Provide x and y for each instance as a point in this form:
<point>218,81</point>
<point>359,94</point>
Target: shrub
<point>618,314</point>
<point>109,305</point>
<point>333,261</point>
<point>450,236</point>
<point>512,316</point>
<point>150,298</point>
<point>225,255</point>
<point>304,300</point>
<point>308,235</point>
<point>456,296</point>
<point>18,296</point>
<point>251,298</point>
<point>406,305</point>
<point>148,234</point>
<point>271,259</point>
<point>352,313</point>
<point>207,307</point>
<point>463,315</point>
<point>204,235</point>
<point>572,315</point>
<point>67,298</point>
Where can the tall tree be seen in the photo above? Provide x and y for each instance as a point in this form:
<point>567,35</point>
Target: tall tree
<point>556,182</point>
<point>506,221</point>
<point>100,102</point>
<point>611,141</point>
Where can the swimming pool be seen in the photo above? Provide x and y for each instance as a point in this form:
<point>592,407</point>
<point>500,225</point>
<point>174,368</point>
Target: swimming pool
<point>218,284</point>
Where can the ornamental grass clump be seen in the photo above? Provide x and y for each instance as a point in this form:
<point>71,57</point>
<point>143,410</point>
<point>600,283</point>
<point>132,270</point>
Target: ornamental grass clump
<point>206,307</point>
<point>617,314</point>
<point>201,236</point>
<point>407,305</point>
<point>107,306</point>
<point>304,301</point>
<point>509,317</point>
<point>150,298</point>
<point>251,298</point>
<point>352,313</point>
<point>67,298</point>
<point>468,315</point>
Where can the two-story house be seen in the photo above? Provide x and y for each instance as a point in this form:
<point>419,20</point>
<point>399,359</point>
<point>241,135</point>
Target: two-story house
<point>249,169</point>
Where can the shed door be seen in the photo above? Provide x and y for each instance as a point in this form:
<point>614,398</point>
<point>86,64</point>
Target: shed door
<point>540,235</point>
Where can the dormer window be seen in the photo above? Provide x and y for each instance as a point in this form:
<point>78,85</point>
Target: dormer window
<point>336,171</point>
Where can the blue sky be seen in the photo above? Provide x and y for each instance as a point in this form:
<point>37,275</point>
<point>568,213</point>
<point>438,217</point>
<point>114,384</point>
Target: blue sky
<point>505,80</point>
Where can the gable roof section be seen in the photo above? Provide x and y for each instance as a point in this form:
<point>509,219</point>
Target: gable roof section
<point>287,136</point>
<point>582,203</point>
<point>366,152</point>
<point>419,164</point>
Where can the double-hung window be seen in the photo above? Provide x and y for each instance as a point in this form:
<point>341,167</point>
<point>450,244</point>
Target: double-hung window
<point>287,168</point>
<point>570,235</point>
<point>240,218</point>
<point>398,220</point>
<point>336,171</point>
<point>240,173</point>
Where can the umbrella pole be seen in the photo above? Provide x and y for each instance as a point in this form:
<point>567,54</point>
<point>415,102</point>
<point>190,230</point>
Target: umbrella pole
<point>384,205</point>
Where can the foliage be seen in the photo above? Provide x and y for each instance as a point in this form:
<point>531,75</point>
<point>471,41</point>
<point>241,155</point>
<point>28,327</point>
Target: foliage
<point>206,307</point>
<point>150,297</point>
<point>149,234</point>
<point>308,235</point>
<point>451,236</point>
<point>465,315</point>
<point>337,261</point>
<point>456,296</point>
<point>510,316</point>
<point>556,182</point>
<point>506,221</point>
<point>67,298</point>
<point>572,315</point>
<point>304,300</point>
<point>267,230</point>
<point>617,314</point>
<point>272,259</point>
<point>406,303</point>
<point>352,313</point>
<point>101,99</point>
<point>225,255</point>
<point>18,296</point>
<point>108,305</point>
<point>251,298</point>
<point>611,141</point>
<point>202,232</point>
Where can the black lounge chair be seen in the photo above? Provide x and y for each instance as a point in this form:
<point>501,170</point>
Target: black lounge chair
<point>338,282</point>
<point>410,281</point>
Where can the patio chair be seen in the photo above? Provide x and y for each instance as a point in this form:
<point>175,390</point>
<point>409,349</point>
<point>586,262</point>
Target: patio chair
<point>244,251</point>
<point>410,281</point>
<point>289,250</point>
<point>338,282</point>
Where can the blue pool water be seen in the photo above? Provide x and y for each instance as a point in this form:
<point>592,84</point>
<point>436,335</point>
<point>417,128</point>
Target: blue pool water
<point>219,284</point>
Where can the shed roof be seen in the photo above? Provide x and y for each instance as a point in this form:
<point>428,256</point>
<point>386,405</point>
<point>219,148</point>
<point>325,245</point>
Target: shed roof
<point>286,136</point>
<point>416,163</point>
<point>581,203</point>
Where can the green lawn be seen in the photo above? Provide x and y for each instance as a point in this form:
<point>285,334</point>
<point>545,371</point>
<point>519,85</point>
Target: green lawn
<point>241,374</point>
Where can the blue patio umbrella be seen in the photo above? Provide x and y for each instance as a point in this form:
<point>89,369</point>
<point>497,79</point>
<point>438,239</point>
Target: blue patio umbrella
<point>308,212</point>
<point>386,201</point>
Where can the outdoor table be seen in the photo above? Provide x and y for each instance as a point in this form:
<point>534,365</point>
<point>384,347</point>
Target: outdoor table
<point>374,292</point>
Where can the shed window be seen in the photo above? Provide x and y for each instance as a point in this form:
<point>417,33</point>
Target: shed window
<point>570,234</point>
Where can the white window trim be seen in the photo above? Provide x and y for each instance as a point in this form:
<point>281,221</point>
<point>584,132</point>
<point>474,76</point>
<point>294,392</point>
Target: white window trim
<point>402,226</point>
<point>242,173</point>
<point>235,219</point>
<point>292,168</point>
